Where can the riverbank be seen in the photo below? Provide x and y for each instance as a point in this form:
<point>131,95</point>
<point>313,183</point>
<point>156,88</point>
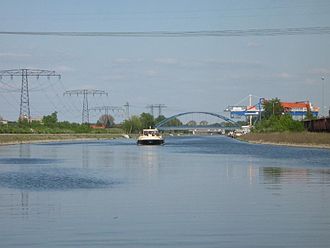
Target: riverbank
<point>12,139</point>
<point>301,139</point>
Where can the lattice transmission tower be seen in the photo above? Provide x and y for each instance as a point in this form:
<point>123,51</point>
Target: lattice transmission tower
<point>127,105</point>
<point>85,93</point>
<point>24,112</point>
<point>107,109</point>
<point>156,106</point>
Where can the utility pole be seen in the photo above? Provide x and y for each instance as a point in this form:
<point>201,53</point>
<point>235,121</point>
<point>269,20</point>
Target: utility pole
<point>24,112</point>
<point>85,93</point>
<point>159,106</point>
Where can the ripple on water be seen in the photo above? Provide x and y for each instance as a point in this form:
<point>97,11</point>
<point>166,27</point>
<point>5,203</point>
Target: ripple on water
<point>60,179</point>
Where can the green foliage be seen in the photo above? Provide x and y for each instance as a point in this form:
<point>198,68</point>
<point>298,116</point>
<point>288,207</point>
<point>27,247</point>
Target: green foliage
<point>159,119</point>
<point>310,115</point>
<point>274,119</point>
<point>147,120</point>
<point>132,125</point>
<point>136,123</point>
<point>50,120</point>
<point>272,107</point>
<point>174,122</point>
<point>279,124</point>
<point>49,125</point>
<point>192,123</point>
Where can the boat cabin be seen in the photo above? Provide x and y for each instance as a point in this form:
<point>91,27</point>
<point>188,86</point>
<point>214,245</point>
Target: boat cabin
<point>150,132</point>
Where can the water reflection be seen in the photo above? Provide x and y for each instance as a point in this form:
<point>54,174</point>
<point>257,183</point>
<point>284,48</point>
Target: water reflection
<point>85,156</point>
<point>150,159</point>
<point>53,179</point>
<point>24,151</point>
<point>25,202</point>
<point>205,192</point>
<point>282,175</point>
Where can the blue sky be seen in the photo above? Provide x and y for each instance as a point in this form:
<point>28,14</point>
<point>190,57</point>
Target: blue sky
<point>186,74</point>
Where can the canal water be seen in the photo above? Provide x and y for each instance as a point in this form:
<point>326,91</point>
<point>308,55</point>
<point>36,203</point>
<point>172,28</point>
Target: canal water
<point>193,192</point>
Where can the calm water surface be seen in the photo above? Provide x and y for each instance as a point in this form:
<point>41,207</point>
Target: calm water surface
<point>192,192</point>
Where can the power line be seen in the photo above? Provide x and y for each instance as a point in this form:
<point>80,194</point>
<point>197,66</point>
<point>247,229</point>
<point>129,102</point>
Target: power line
<point>157,106</point>
<point>85,93</point>
<point>199,33</point>
<point>25,74</point>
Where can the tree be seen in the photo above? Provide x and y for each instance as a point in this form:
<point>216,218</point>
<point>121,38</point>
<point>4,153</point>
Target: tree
<point>50,120</point>
<point>107,121</point>
<point>147,120</point>
<point>272,107</point>
<point>174,123</point>
<point>279,124</point>
<point>192,123</point>
<point>203,123</point>
<point>309,115</point>
<point>160,118</point>
<point>132,125</point>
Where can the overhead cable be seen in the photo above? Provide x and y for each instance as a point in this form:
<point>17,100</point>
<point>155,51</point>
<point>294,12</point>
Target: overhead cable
<point>200,33</point>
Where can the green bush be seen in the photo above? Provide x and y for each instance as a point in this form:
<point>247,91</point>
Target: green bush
<point>279,124</point>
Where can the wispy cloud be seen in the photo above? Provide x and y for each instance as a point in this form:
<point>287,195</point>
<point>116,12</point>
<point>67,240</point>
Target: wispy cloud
<point>231,62</point>
<point>284,75</point>
<point>151,73</point>
<point>320,71</point>
<point>125,61</point>
<point>14,55</point>
<point>63,68</point>
<point>253,44</point>
<point>166,61</point>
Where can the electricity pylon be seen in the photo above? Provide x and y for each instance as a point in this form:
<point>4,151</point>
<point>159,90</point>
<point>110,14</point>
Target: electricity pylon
<point>106,109</point>
<point>153,106</point>
<point>127,110</point>
<point>24,112</point>
<point>85,93</point>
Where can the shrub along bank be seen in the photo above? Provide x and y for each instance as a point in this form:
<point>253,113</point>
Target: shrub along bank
<point>50,125</point>
<point>281,123</point>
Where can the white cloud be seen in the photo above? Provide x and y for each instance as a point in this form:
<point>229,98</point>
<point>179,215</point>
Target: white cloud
<point>283,75</point>
<point>125,61</point>
<point>63,68</point>
<point>253,44</point>
<point>14,55</point>
<point>320,71</point>
<point>166,61</point>
<point>151,73</point>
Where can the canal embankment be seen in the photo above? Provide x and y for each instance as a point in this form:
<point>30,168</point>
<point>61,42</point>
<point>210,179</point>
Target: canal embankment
<point>12,139</point>
<point>298,139</point>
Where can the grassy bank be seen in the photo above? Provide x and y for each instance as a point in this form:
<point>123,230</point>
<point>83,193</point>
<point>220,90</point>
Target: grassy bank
<point>6,139</point>
<point>303,139</point>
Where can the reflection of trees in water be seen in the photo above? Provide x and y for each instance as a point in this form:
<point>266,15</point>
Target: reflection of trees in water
<point>277,176</point>
<point>25,202</point>
<point>85,156</point>
<point>24,151</point>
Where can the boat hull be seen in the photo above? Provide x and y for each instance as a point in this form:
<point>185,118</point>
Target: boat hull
<point>150,142</point>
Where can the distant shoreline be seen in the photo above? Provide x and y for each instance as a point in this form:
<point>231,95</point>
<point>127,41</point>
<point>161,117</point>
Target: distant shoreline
<point>303,139</point>
<point>15,139</point>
